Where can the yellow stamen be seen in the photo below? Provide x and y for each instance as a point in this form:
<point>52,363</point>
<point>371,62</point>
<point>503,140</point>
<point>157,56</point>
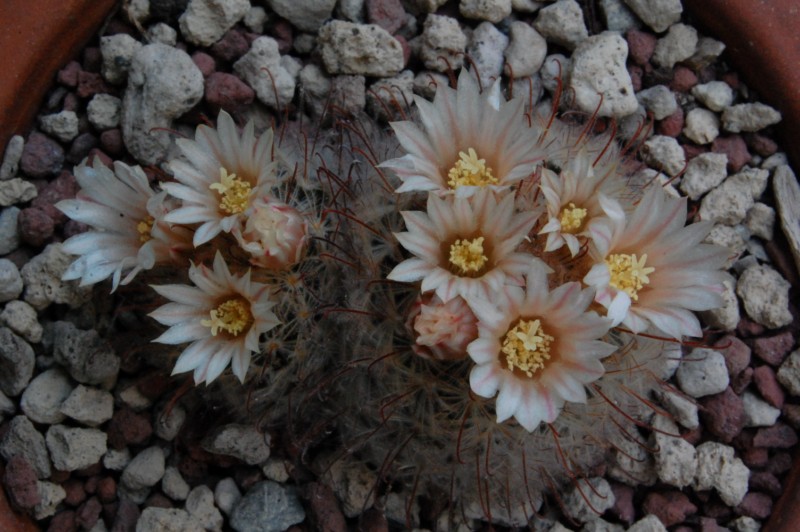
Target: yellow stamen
<point>234,192</point>
<point>572,218</point>
<point>628,273</point>
<point>467,255</point>
<point>471,171</point>
<point>232,316</point>
<point>145,227</point>
<point>527,347</point>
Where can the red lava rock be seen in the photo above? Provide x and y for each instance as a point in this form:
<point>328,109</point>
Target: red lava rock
<point>71,103</point>
<point>623,503</point>
<point>774,349</point>
<point>41,156</point>
<point>111,142</point>
<point>740,382</point>
<point>762,145</point>
<point>736,353</point>
<point>59,477</point>
<point>768,386</point>
<point>88,514</point>
<point>63,187</point>
<point>373,521</point>
<point>755,457</point>
<point>282,32</point>
<point>747,328</point>
<point>81,146</point>
<point>732,79</point>
<point>683,79</point>
<point>245,477</point>
<point>75,492</point>
<point>193,471</point>
<point>388,14</point>
<point>126,515</point>
<point>325,508</point>
<point>68,75</point>
<point>765,481</point>
<point>105,159</point>
<point>671,507</point>
<point>35,226</point>
<point>637,75</point>
<point>154,385</point>
<point>128,428</point>
<point>92,59</point>
<point>90,83</point>
<point>158,500</point>
<point>693,436</point>
<point>716,511</point>
<point>106,489</point>
<point>736,150</point>
<point>63,522</point>
<point>640,46</point>
<point>780,463</point>
<point>756,505</point>
<point>690,151</point>
<point>91,484</point>
<point>72,228</point>
<point>672,125</point>
<point>780,436</point>
<point>231,46</point>
<point>226,91</point>
<point>723,414</point>
<point>709,524</point>
<point>91,471</point>
<point>791,413</point>
<point>20,482</point>
<point>406,48</point>
<point>205,63</point>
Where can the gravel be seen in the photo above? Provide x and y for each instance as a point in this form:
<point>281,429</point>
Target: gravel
<point>125,92</point>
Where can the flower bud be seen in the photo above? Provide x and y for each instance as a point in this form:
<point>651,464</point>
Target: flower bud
<point>442,330</point>
<point>273,233</point>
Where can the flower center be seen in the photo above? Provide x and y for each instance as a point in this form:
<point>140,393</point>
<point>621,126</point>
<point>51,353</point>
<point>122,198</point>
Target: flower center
<point>232,316</point>
<point>527,347</point>
<point>145,227</point>
<point>234,192</point>
<point>572,218</point>
<point>470,171</point>
<point>628,273</point>
<point>467,255</point>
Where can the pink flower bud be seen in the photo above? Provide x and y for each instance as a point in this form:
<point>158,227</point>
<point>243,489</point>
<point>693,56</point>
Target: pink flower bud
<point>273,233</point>
<point>442,330</point>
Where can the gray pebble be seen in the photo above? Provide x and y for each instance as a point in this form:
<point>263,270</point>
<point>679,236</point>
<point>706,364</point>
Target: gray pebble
<point>17,361</point>
<point>89,406</point>
<point>267,507</point>
<point>22,438</point>
<point>703,373</point>
<point>72,449</point>
<point>41,401</point>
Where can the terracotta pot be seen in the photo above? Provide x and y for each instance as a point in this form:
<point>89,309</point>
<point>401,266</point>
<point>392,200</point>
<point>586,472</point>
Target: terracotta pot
<point>40,36</point>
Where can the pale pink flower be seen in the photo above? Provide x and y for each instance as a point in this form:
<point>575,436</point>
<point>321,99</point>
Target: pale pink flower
<point>273,233</point>
<point>442,331</point>
<point>650,269</point>
<point>467,140</point>
<point>222,174</point>
<point>464,246</point>
<point>222,317</point>
<point>537,350</point>
<point>128,230</point>
<point>576,198</point>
